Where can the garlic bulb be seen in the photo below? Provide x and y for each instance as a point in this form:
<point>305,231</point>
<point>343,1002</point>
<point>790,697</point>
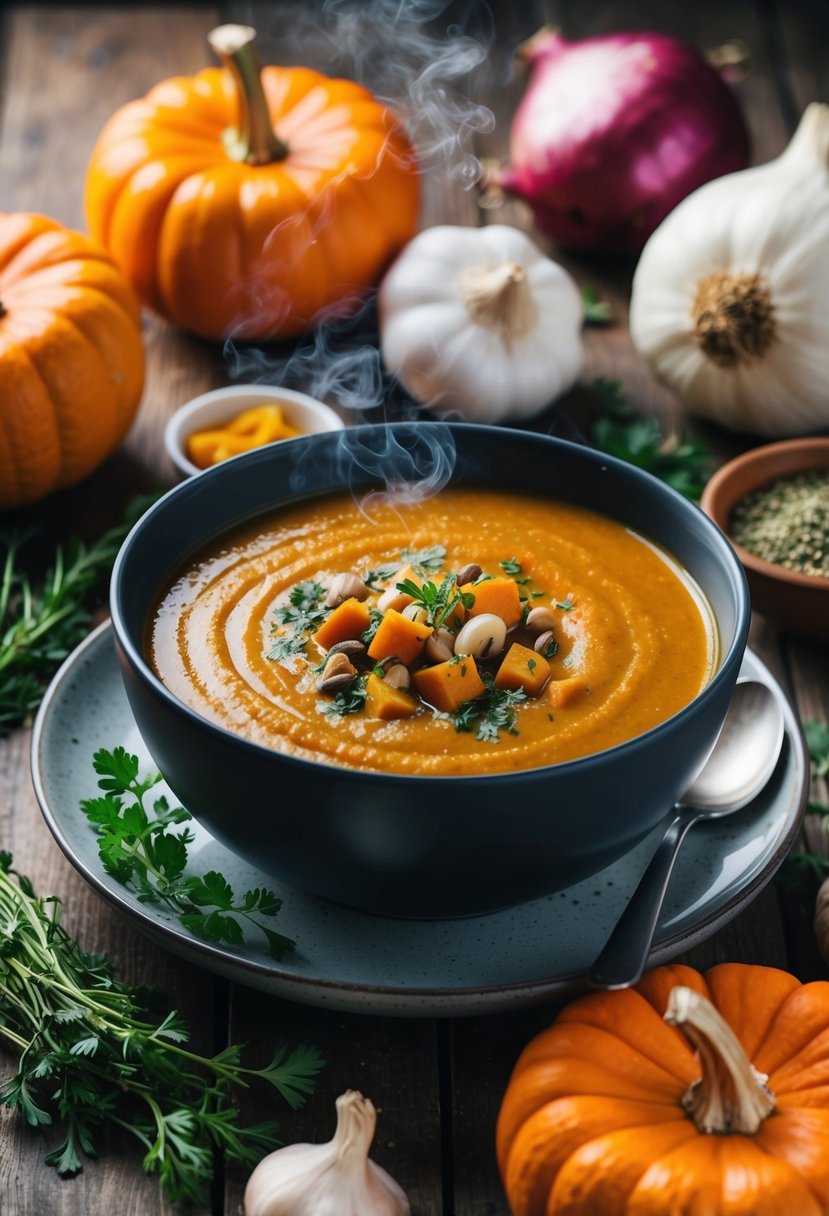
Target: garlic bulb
<point>334,1179</point>
<point>730,295</point>
<point>479,321</point>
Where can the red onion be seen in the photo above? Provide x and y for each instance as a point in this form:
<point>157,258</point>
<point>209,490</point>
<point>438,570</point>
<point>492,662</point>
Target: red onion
<point>613,131</point>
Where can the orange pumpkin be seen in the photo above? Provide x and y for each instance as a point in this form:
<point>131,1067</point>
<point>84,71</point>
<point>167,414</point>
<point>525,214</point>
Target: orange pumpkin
<point>643,1102</point>
<point>71,357</point>
<point>231,230</point>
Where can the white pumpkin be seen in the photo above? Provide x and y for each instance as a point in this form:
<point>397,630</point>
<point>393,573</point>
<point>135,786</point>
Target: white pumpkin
<point>479,321</point>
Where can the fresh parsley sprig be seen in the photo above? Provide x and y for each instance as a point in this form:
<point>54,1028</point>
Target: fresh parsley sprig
<point>93,1050</point>
<point>41,623</point>
<point>430,559</point>
<point>138,848</point>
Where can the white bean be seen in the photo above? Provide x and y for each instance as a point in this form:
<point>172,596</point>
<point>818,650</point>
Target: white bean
<point>482,636</point>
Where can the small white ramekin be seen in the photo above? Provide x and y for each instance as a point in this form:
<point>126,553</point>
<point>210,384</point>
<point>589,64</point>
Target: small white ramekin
<point>223,404</point>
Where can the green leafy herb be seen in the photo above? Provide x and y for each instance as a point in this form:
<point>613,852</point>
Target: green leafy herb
<point>510,566</point>
<point>40,625</point>
<point>596,310</point>
<point>375,618</point>
<point>138,848</point>
<point>431,558</point>
<point>437,599</point>
<point>302,614</point>
<point>350,701</point>
<point>93,1050</point>
<point>532,664</point>
<point>565,605</point>
<point>373,578</point>
<point>490,714</point>
<point>683,464</point>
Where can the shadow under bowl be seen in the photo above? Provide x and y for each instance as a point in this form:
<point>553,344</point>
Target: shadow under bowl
<point>797,603</point>
<point>415,845</point>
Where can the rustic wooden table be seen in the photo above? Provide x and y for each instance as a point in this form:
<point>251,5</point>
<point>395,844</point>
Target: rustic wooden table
<point>63,70</point>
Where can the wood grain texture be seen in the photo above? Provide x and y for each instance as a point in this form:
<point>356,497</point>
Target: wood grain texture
<point>438,1084</point>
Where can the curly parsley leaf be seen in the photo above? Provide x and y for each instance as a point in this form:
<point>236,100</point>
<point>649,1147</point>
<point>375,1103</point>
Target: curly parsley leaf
<point>510,565</point>
<point>137,847</point>
<point>297,620</point>
<point>350,701</point>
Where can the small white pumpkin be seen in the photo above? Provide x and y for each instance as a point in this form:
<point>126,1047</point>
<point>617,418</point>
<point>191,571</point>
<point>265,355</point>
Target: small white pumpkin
<point>479,321</point>
<point>730,296</point>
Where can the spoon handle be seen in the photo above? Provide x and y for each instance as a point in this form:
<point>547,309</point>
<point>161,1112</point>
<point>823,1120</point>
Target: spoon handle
<point>626,951</point>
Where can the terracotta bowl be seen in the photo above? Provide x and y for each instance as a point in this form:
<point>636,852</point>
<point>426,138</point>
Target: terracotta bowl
<point>797,603</point>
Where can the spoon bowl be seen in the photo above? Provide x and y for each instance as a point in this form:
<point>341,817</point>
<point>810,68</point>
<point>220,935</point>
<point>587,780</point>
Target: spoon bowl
<point>742,761</point>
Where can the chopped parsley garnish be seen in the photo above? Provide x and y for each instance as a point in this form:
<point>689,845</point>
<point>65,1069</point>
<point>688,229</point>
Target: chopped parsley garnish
<point>532,664</point>
<point>490,714</point>
<point>350,701</point>
<point>431,558</point>
<point>380,575</point>
<point>511,566</point>
<point>437,599</point>
<point>565,605</point>
<point>301,614</point>
<point>375,616</point>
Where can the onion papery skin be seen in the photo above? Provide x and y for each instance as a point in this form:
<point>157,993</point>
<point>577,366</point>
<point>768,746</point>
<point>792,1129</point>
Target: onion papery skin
<point>614,131</point>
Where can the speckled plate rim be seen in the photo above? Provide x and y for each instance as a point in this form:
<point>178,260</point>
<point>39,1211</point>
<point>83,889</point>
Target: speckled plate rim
<point>389,999</point>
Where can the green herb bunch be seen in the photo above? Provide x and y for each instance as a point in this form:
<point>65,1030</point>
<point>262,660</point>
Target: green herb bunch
<point>494,711</point>
<point>685,464</point>
<point>138,848</point>
<point>438,600</point>
<point>92,1050</point>
<point>40,625</point>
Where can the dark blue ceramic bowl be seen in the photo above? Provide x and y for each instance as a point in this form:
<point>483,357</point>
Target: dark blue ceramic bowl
<point>408,845</point>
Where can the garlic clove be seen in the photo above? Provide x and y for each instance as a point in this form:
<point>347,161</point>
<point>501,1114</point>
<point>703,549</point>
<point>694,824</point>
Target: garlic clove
<point>333,1179</point>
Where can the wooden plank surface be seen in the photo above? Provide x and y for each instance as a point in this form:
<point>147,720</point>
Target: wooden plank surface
<point>438,1083</point>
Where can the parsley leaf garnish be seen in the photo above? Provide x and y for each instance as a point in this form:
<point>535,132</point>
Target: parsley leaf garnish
<point>375,617</point>
<point>302,613</point>
<point>350,701</point>
<point>431,558</point>
<point>494,711</point>
<point>378,576</point>
<point>138,849</point>
<point>91,1049</point>
<point>510,566</point>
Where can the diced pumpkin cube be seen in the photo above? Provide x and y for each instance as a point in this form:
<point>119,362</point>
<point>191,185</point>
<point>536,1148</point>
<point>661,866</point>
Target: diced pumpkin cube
<point>397,600</point>
<point>561,693</point>
<point>384,701</point>
<point>498,596</point>
<point>447,685</point>
<point>397,635</point>
<point>345,623</point>
<point>523,668</point>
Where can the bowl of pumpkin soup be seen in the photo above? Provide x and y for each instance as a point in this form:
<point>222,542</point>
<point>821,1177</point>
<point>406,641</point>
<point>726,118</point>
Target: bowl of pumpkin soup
<point>428,669</point>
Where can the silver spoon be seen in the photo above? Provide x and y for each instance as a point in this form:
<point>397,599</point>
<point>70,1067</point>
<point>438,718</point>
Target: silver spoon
<point>743,759</point>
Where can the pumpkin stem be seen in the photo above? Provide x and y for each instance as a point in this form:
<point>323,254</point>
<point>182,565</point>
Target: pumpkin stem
<point>733,317</point>
<point>730,1096</point>
<point>499,299</point>
<point>254,140</point>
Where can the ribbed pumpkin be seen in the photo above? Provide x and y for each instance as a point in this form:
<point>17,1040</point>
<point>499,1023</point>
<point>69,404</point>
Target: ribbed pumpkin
<point>643,1102</point>
<point>71,357</point>
<point>252,205</point>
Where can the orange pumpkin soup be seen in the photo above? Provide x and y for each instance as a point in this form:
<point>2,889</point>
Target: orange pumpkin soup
<point>476,632</point>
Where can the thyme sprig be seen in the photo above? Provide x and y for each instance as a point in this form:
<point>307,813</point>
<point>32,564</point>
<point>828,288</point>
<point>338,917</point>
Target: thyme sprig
<point>41,623</point>
<point>438,600</point>
<point>92,1049</point>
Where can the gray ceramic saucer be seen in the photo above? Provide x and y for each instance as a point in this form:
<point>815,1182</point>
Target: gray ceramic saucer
<point>353,961</point>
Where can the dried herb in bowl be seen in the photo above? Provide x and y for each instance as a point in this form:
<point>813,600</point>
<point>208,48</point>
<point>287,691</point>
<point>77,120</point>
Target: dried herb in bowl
<point>787,523</point>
